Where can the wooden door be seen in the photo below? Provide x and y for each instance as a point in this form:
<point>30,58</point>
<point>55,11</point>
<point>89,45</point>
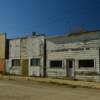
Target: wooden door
<point>24,67</point>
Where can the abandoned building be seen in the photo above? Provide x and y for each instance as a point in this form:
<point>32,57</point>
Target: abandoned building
<point>76,56</point>
<point>26,56</point>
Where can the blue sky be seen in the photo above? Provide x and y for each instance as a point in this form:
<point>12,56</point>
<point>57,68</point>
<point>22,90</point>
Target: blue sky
<point>53,17</point>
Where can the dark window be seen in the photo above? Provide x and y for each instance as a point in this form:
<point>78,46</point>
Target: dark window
<point>60,50</point>
<point>56,64</point>
<point>16,62</point>
<point>70,64</point>
<point>86,63</point>
<point>35,62</point>
<point>77,49</point>
<point>87,48</point>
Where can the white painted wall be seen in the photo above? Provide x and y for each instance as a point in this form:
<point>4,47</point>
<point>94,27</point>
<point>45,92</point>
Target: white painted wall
<point>27,48</point>
<point>93,53</point>
<point>35,48</point>
<point>12,69</point>
<point>14,48</point>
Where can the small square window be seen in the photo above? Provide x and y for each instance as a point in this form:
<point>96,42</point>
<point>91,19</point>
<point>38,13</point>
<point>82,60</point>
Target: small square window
<point>86,63</point>
<point>16,62</point>
<point>87,48</point>
<point>56,64</point>
<point>35,62</point>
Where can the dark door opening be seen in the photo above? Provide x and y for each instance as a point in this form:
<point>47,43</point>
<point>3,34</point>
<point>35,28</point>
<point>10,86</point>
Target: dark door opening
<point>24,64</point>
<point>69,68</point>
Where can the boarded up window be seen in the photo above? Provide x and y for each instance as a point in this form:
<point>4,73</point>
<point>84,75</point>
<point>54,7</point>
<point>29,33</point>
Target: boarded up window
<point>16,62</point>
<point>35,62</point>
<point>56,64</point>
<point>86,63</point>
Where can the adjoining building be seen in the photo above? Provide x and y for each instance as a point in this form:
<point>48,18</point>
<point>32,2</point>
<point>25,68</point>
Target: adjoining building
<point>76,56</point>
<point>3,50</point>
<point>13,62</point>
<point>26,56</point>
<point>32,55</point>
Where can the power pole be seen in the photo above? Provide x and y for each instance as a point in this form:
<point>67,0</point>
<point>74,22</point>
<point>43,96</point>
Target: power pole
<point>99,55</point>
<point>45,58</point>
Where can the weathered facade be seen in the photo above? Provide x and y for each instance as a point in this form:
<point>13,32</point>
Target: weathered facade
<point>26,56</point>
<point>14,62</point>
<point>36,55</point>
<point>32,55</point>
<point>74,56</point>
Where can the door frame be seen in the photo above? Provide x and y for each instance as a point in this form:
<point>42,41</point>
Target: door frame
<point>72,74</point>
<point>24,65</point>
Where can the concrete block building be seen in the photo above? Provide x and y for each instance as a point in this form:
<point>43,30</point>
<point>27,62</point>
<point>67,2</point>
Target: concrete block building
<point>26,55</point>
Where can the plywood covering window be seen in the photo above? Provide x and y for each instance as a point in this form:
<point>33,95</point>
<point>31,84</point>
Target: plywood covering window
<point>56,64</point>
<point>16,62</point>
<point>86,63</point>
<point>35,62</point>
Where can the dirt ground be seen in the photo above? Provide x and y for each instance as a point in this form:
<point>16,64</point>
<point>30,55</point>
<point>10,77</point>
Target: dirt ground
<point>26,90</point>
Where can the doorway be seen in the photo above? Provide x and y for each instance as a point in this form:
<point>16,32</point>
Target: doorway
<point>70,68</point>
<point>24,65</point>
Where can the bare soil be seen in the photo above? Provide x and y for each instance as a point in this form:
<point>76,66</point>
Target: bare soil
<point>27,90</point>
